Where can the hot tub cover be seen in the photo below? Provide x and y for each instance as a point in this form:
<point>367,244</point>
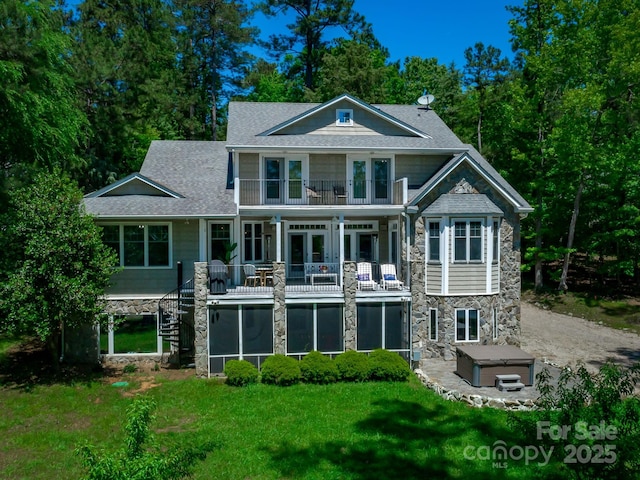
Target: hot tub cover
<point>496,354</point>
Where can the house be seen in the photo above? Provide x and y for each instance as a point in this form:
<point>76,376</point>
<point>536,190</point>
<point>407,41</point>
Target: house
<point>301,206</point>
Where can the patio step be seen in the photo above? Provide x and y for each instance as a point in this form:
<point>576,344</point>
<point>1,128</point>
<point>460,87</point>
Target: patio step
<point>509,382</point>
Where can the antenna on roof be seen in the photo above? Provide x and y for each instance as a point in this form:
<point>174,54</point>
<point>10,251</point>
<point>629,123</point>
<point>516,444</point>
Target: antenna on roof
<point>426,99</point>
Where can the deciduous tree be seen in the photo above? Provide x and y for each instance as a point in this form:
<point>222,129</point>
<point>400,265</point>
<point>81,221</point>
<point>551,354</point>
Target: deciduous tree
<point>56,266</point>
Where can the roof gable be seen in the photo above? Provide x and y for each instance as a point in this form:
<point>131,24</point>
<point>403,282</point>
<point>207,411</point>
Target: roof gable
<point>367,120</point>
<point>135,184</point>
<point>474,160</point>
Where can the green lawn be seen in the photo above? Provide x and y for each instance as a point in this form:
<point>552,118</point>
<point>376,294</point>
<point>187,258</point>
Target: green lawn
<point>340,431</point>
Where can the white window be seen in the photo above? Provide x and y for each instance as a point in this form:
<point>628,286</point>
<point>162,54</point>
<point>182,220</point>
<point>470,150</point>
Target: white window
<point>140,245</point>
<point>131,334</point>
<point>467,325</point>
<point>433,241</point>
<point>344,117</point>
<point>496,242</point>
<point>433,324</point>
<point>252,237</point>
<point>467,241</point>
<point>495,323</point>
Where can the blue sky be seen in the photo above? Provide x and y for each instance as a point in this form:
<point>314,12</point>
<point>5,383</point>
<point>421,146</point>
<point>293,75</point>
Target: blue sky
<point>431,28</point>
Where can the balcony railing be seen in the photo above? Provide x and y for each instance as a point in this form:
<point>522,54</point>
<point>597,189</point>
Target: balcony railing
<point>307,277</point>
<point>321,192</point>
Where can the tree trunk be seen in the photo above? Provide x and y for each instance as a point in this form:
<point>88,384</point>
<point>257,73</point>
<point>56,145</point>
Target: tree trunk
<point>53,342</point>
<point>480,132</point>
<point>214,114</point>
<point>572,230</point>
<point>539,281</point>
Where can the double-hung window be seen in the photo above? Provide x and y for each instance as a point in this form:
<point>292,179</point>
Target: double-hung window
<point>467,241</point>
<point>434,242</point>
<point>140,245</point>
<point>467,325</point>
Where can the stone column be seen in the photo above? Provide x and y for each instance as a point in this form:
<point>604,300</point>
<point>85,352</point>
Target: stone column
<point>279,308</point>
<point>200,319</point>
<point>350,286</point>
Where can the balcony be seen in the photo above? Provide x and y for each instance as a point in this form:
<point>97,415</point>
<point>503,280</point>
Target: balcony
<point>310,278</point>
<point>321,192</point>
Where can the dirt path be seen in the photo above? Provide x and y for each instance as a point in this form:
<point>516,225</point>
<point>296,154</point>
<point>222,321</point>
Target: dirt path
<point>567,340</point>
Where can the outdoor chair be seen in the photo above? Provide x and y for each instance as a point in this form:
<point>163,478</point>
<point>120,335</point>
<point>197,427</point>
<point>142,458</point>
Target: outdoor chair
<point>389,278</point>
<point>364,277</point>
<point>250,275</point>
<point>339,193</point>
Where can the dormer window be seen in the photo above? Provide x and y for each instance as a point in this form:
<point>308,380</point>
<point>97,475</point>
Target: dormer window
<point>344,117</point>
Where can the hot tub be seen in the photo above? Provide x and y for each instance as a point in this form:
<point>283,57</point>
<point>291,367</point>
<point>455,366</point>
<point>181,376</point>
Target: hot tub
<point>479,364</point>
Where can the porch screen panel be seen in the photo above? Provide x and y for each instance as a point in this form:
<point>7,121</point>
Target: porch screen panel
<point>395,331</point>
<point>223,331</point>
<point>299,328</point>
<point>369,326</point>
<point>329,320</point>
<point>257,329</point>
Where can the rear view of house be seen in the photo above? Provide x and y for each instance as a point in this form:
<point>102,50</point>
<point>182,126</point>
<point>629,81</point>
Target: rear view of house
<point>327,227</point>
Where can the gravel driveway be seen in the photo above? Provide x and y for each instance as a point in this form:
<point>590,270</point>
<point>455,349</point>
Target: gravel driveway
<point>566,340</point>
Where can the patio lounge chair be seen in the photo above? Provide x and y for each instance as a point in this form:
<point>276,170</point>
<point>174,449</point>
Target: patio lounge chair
<point>389,278</point>
<point>364,277</point>
<point>250,275</point>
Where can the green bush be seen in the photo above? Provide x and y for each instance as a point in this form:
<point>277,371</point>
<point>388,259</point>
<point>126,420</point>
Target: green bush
<point>388,366</point>
<point>317,368</point>
<point>352,366</point>
<point>280,370</point>
<point>240,373</point>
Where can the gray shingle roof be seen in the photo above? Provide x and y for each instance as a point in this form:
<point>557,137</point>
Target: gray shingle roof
<point>247,120</point>
<point>462,204</point>
<point>194,169</point>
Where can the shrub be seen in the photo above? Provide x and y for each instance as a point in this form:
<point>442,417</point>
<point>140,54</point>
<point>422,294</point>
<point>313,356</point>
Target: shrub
<point>280,370</point>
<point>388,366</point>
<point>240,373</point>
<point>130,368</point>
<point>598,416</point>
<point>317,368</point>
<point>137,459</point>
<point>352,366</point>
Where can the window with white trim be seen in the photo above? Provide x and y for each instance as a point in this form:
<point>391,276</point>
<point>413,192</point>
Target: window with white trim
<point>433,240</point>
<point>131,334</point>
<point>467,325</point>
<point>140,245</point>
<point>467,241</point>
<point>495,323</point>
<point>496,242</point>
<point>344,117</point>
<point>252,237</point>
<point>433,324</point>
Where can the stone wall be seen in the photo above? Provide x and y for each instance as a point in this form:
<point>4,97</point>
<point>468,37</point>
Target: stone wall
<point>132,306</point>
<point>350,286</point>
<point>200,318</point>
<point>279,308</point>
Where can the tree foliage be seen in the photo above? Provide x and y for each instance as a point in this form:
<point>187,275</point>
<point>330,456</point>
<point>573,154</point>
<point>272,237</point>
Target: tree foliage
<point>41,125</point>
<point>595,416</point>
<point>55,266</point>
<point>308,33</point>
